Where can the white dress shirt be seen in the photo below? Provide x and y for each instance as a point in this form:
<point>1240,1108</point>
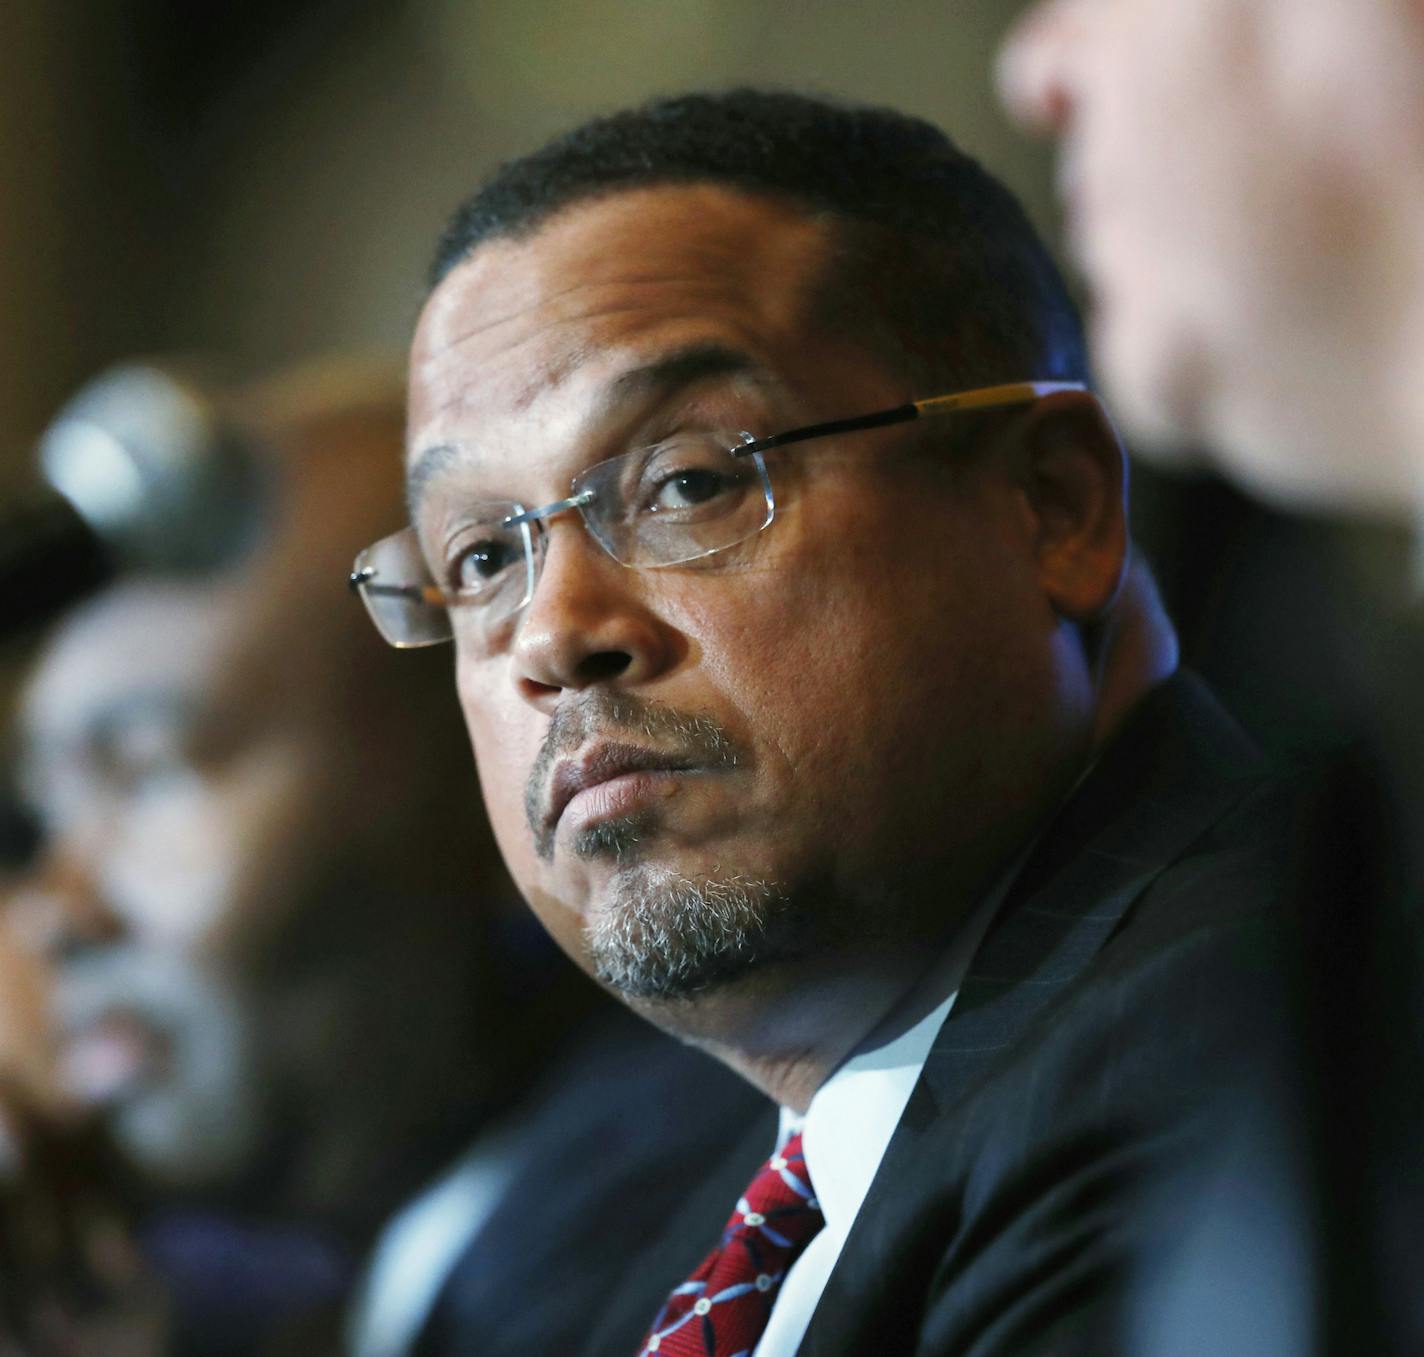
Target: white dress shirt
<point>850,1121</point>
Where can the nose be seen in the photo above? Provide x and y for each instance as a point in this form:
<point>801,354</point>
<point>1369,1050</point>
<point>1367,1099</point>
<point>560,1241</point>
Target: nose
<point>1034,67</point>
<point>588,622</point>
<point>59,910</point>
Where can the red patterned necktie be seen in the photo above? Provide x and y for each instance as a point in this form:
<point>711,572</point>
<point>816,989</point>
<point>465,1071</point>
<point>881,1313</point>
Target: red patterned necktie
<point>721,1310</point>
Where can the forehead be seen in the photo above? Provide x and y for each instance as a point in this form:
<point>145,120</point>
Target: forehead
<point>603,288</point>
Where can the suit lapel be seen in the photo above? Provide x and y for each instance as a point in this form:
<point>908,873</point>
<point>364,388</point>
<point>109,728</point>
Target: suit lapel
<point>1177,768</point>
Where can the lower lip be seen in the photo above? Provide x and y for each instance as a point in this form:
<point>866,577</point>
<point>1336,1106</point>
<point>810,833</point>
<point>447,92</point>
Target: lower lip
<point>619,796</point>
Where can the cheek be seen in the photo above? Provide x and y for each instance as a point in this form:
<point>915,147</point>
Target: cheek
<point>504,735</point>
<point>897,661</point>
<point>1157,139</point>
<point>505,750</point>
<point>503,797</point>
<point>171,867</point>
<point>210,862</point>
<point>845,662</point>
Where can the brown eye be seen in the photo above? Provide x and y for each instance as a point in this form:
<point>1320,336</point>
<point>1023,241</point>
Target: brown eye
<point>482,564</point>
<point>690,479</point>
<point>687,489</point>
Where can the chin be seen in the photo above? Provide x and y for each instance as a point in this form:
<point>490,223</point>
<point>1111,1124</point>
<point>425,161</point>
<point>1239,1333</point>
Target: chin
<point>201,1122</point>
<point>182,1141</point>
<point>662,935</point>
<point>1156,378</point>
<point>1294,455</point>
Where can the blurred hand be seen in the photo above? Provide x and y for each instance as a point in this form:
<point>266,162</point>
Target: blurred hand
<point>71,1280</point>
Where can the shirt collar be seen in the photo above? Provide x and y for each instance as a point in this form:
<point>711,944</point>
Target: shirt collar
<point>852,1116</point>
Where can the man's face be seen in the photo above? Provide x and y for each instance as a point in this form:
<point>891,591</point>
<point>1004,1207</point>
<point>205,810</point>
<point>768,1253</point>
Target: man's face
<point>185,815</point>
<point>817,741</point>
<point>1225,174</point>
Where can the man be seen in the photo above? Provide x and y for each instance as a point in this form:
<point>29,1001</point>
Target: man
<point>1245,187</point>
<point>288,976</point>
<point>802,725</point>
<point>1259,274</point>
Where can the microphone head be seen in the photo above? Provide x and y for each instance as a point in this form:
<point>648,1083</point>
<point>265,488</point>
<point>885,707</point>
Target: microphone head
<point>150,461</point>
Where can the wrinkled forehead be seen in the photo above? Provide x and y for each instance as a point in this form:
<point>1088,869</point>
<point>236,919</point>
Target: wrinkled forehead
<point>603,288</point>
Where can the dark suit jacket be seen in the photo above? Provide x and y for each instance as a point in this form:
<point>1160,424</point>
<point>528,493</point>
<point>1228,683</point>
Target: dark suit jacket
<point>1007,1213</point>
<point>611,1147</point>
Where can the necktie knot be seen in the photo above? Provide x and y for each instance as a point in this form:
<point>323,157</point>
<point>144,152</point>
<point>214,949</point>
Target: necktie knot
<point>721,1310</point>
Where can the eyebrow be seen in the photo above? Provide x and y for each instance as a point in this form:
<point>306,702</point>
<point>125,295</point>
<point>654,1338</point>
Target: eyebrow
<point>676,371</point>
<point>660,379</point>
<point>428,464</point>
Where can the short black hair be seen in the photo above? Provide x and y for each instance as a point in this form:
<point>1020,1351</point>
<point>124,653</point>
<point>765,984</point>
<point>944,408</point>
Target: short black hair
<point>933,264</point>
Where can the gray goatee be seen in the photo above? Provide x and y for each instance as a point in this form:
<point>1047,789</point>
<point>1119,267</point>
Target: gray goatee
<point>663,936</point>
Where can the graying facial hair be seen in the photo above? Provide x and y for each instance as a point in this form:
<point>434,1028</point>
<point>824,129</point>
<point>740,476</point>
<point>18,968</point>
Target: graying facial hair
<point>617,839</point>
<point>664,936</point>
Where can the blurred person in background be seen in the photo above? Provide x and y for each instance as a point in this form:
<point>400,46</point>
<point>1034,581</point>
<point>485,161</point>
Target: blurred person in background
<point>1244,185</point>
<point>1245,190</point>
<point>287,973</point>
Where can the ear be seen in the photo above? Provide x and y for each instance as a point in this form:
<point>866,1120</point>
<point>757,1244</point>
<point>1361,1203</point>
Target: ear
<point>1074,474</point>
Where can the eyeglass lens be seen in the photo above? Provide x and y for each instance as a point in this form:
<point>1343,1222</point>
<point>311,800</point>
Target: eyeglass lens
<point>681,500</point>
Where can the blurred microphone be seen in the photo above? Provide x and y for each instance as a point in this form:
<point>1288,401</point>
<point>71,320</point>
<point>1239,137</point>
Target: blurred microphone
<point>139,471</point>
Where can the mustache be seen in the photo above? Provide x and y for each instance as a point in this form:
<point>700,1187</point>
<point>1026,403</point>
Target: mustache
<point>162,992</point>
<point>692,738</point>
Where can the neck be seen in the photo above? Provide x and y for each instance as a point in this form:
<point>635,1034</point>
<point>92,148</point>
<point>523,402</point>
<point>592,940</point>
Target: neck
<point>1407,395</point>
<point>1382,358</point>
<point>1385,356</point>
<point>1346,416</point>
<point>787,1026</point>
